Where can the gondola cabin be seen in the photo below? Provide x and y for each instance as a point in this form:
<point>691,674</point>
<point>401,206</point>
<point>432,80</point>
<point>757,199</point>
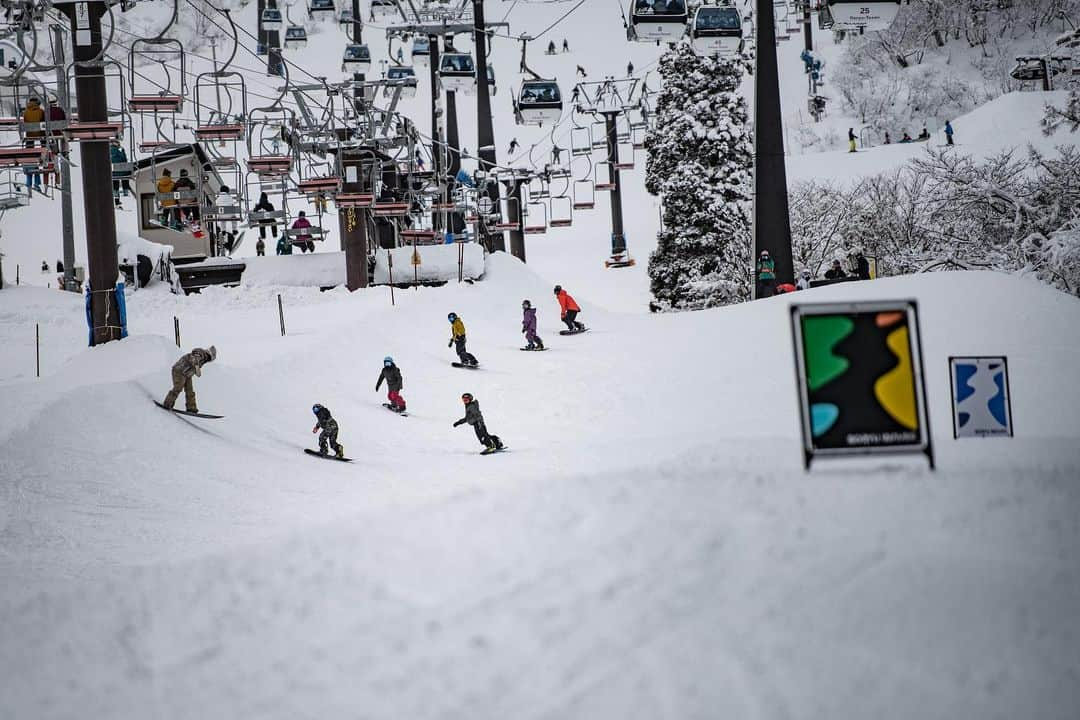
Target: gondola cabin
<point>458,72</point>
<point>717,31</point>
<point>320,7</point>
<point>401,76</point>
<point>492,88</point>
<point>346,17</point>
<point>295,36</point>
<point>539,102</point>
<point>357,58</point>
<point>658,20</point>
<point>384,9</point>
<point>272,20</point>
<point>421,50</point>
<point>864,14</point>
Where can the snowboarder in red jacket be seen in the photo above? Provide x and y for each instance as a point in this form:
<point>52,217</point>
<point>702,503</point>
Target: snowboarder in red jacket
<point>569,310</point>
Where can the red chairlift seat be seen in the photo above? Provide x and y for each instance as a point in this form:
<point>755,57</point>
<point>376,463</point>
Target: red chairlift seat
<point>156,103</point>
<point>535,229</point>
<point>507,225</point>
<point>225,131</point>
<point>561,222</point>
<point>316,185</point>
<point>23,157</point>
<point>270,164</point>
<point>391,209</point>
<point>604,186</point>
<point>93,131</point>
<point>354,200</point>
<point>584,204</point>
<point>154,146</point>
<point>419,237</point>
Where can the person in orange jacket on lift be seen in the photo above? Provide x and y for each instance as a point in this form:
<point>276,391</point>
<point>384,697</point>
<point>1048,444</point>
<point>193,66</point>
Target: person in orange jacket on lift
<point>569,309</point>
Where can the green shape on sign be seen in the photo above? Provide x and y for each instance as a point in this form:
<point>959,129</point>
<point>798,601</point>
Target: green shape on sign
<point>822,333</point>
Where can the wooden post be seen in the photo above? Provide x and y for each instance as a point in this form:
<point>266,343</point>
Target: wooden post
<point>460,261</point>
<point>281,315</point>
<point>176,329</point>
<point>16,274</point>
<point>37,348</point>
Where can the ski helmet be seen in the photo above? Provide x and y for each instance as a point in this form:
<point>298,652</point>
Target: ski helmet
<point>558,289</point>
<point>316,408</point>
<point>526,304</point>
<point>388,360</point>
<point>451,317</point>
<point>466,397</point>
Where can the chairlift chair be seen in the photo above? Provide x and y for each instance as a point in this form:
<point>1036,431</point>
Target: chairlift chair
<point>508,207</point>
<point>384,9</point>
<point>603,176</point>
<point>562,211</point>
<point>421,50</point>
<point>458,72</point>
<point>492,87</point>
<point>535,218</point>
<point>581,141</point>
<point>584,194</point>
<point>657,20</point>
<point>717,30</point>
<point>144,93</point>
<point>539,102</point>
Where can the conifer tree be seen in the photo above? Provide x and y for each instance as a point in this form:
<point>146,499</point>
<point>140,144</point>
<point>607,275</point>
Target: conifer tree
<point>700,161</point>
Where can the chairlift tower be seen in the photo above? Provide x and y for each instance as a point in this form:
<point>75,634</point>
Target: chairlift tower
<point>609,99</point>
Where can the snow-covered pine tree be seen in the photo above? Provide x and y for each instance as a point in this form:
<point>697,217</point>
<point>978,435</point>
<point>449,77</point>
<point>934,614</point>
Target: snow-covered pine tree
<point>700,161</point>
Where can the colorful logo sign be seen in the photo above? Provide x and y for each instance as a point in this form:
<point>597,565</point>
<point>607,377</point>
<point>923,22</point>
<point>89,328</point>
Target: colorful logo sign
<point>860,378</point>
<point>982,406</point>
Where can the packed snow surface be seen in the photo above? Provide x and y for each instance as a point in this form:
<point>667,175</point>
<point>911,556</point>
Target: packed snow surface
<point>650,546</point>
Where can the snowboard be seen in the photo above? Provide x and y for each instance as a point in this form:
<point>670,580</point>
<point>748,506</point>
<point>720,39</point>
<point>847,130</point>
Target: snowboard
<point>573,332</point>
<point>402,413</point>
<point>492,451</point>
<point>318,454</point>
<point>463,365</point>
<point>189,414</point>
<point>529,349</point>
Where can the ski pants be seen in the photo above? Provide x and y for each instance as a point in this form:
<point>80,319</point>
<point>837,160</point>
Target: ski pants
<point>851,146</point>
<point>395,399</point>
<point>486,439</point>
<point>570,318</point>
<point>766,287</point>
<point>948,139</point>
<point>262,230</point>
<point>464,355</point>
<point>180,381</point>
<point>533,338</point>
<point>328,436</point>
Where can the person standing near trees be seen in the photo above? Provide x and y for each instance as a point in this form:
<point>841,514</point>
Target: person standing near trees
<point>851,140</point>
<point>766,275</point>
<point>948,133</point>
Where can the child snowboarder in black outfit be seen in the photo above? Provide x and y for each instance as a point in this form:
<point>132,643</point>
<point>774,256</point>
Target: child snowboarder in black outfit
<point>472,416</point>
<point>392,375</point>
<point>329,426</point>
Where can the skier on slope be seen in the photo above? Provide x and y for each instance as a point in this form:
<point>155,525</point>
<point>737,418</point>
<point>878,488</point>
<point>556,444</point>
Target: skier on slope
<point>457,338</point>
<point>472,416</point>
<point>328,436</point>
<point>528,326</point>
<point>391,373</point>
<point>188,366</point>
<point>569,310</point>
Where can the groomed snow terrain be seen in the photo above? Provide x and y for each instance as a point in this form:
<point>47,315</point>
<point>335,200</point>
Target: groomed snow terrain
<point>649,548</point>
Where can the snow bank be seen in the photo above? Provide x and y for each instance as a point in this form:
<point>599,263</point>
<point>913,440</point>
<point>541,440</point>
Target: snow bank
<point>305,270</point>
<point>427,263</point>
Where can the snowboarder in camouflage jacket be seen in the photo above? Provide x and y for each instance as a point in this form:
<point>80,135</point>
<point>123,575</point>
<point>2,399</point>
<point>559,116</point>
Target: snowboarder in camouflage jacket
<point>391,373</point>
<point>187,367</point>
<point>328,436</point>
<point>474,418</point>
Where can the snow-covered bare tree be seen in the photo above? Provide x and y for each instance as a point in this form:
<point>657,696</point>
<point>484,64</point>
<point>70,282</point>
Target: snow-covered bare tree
<point>1067,116</point>
<point>700,159</point>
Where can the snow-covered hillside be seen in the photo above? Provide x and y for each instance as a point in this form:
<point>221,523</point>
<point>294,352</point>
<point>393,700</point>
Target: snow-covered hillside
<point>648,548</point>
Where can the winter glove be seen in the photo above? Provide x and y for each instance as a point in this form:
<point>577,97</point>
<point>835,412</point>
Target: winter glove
<point>450,343</point>
<point>314,429</point>
<point>458,423</point>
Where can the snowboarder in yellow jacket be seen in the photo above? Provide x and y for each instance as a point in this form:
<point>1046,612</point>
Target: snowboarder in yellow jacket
<point>457,339</point>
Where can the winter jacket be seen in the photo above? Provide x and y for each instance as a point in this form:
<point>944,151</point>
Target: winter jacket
<point>184,183</point>
<point>284,247</point>
<point>457,328</point>
<point>191,364</point>
<point>528,323</point>
<point>862,268</point>
<point>301,223</point>
<point>117,154</point>
<point>392,375</point>
<point>803,283</point>
<point>165,185</point>
<point>766,269</point>
<point>323,417</point>
<point>472,414</point>
<point>56,114</point>
<point>948,129</point>
<point>34,114</point>
<point>835,274</point>
<point>566,303</point>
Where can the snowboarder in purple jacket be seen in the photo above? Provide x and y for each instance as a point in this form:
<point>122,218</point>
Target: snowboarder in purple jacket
<point>528,326</point>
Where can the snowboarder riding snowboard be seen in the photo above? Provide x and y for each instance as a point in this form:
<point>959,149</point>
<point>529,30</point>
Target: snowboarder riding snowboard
<point>490,442</point>
<point>328,436</point>
<point>457,339</point>
<point>569,309</point>
<point>528,326</point>
<point>186,367</point>
<point>392,375</point>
